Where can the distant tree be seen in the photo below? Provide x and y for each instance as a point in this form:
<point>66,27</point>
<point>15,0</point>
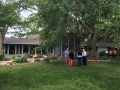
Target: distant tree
<point>10,16</point>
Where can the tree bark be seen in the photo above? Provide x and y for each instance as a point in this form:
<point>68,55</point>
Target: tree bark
<point>94,40</point>
<point>2,35</point>
<point>1,42</point>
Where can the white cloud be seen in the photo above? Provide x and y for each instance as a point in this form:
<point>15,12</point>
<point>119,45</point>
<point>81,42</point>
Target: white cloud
<point>24,14</point>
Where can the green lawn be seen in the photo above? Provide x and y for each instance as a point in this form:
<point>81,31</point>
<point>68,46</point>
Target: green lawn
<point>56,76</point>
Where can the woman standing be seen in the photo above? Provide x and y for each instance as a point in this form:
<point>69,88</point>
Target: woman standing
<point>71,57</point>
<point>79,55</point>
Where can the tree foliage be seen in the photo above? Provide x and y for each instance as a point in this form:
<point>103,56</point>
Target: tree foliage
<point>89,19</point>
<point>84,17</point>
<point>10,16</point>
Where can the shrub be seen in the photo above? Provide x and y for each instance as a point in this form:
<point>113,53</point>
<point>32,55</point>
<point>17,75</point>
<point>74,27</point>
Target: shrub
<point>18,56</point>
<point>18,59</point>
<point>102,53</point>
<point>7,59</point>
<point>97,55</point>
<point>37,60</point>
<point>2,56</point>
<point>24,59</point>
<point>29,55</point>
<point>118,52</point>
<point>46,59</point>
<point>52,57</point>
<point>13,57</point>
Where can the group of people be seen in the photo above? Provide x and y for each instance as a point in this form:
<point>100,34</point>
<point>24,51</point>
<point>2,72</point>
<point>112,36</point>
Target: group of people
<point>81,57</point>
<point>111,53</point>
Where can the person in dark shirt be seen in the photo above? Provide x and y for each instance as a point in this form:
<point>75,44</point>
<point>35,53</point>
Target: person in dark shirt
<point>71,57</point>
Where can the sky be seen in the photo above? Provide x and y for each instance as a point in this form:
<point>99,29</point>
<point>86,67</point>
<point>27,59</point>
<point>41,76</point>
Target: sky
<point>24,14</point>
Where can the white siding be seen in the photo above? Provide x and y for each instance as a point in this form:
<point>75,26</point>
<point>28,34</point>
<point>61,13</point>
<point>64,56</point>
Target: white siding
<point>101,49</point>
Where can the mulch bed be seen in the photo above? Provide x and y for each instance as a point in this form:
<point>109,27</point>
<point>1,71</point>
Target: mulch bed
<point>98,60</point>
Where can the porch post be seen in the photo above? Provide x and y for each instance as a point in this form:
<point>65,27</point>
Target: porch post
<point>15,49</point>
<point>8,50</point>
<point>22,49</point>
<point>4,48</point>
<point>19,50</point>
<point>29,49</point>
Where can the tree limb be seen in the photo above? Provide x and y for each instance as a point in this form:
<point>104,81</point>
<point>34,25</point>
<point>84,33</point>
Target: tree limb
<point>77,2</point>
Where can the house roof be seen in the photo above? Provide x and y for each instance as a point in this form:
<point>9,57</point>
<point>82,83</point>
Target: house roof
<point>21,41</point>
<point>102,44</point>
<point>37,42</point>
<point>105,44</point>
<point>33,36</point>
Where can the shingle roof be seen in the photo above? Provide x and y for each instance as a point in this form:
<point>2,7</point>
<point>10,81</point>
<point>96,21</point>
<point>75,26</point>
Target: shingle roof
<point>21,41</point>
<point>105,44</point>
<point>37,42</point>
<point>102,44</point>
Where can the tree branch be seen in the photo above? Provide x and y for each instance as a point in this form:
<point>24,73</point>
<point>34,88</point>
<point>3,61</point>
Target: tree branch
<point>77,2</point>
<point>91,30</point>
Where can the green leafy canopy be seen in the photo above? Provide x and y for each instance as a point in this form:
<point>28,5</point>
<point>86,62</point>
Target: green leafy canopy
<point>84,17</point>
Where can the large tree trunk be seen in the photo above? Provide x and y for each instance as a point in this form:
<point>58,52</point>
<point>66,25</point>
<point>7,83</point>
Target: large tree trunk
<point>93,47</point>
<point>2,35</point>
<point>1,42</point>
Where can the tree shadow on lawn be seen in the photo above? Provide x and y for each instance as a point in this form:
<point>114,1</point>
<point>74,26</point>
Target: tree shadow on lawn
<point>60,62</point>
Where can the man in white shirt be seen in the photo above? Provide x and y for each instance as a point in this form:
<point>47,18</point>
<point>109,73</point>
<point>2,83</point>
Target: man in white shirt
<point>84,54</point>
<point>106,53</point>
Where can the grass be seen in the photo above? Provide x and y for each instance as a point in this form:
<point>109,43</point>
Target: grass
<point>56,76</point>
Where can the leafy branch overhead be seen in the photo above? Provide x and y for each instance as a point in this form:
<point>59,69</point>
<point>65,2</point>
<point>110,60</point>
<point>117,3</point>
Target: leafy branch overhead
<point>58,17</point>
<point>90,19</point>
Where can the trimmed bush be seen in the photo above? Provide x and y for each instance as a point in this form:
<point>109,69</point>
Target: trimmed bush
<point>52,57</point>
<point>24,59</point>
<point>37,60</point>
<point>20,59</point>
<point>46,59</point>
<point>2,56</point>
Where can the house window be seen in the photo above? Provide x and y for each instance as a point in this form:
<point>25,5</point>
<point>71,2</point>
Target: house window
<point>64,44</point>
<point>6,47</point>
<point>71,44</point>
<point>12,49</point>
<point>17,49</point>
<point>32,49</point>
<point>77,45</point>
<point>25,49</point>
<point>20,49</point>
